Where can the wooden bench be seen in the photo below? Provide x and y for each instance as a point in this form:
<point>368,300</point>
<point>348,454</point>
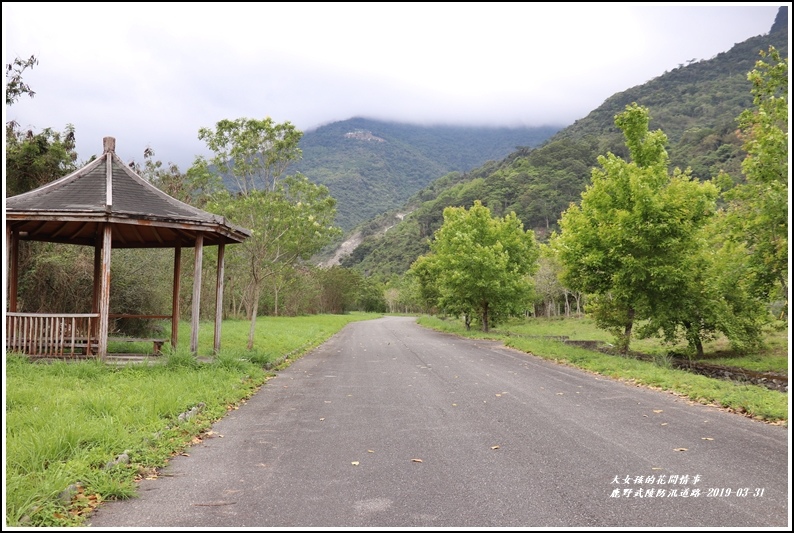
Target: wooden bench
<point>157,344</point>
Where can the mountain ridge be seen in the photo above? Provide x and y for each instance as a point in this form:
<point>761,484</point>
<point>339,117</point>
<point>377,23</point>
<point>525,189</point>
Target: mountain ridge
<point>372,166</point>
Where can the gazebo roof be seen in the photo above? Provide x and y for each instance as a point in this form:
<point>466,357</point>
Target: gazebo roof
<point>71,210</point>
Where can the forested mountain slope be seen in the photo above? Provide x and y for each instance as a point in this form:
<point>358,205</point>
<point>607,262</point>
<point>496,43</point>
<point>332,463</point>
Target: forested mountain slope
<point>696,105</point>
<point>371,166</point>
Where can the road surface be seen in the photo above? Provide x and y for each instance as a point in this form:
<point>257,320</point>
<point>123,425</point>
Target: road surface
<point>389,424</point>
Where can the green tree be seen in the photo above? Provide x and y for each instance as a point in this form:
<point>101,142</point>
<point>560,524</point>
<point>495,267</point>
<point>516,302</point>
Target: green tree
<point>253,153</point>
<point>15,87</point>
<point>548,289</point>
<point>629,242</point>
<point>195,187</point>
<point>340,289</point>
<point>482,265</point>
<point>758,209</point>
<point>423,278</point>
<point>371,296</point>
<point>33,159</point>
<point>288,224</point>
<point>290,218</point>
<point>716,297</point>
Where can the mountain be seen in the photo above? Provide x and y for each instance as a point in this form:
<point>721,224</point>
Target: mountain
<point>371,166</point>
<point>696,105</point>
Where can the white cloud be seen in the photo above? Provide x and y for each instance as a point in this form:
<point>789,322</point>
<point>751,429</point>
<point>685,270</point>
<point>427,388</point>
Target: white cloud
<point>153,74</point>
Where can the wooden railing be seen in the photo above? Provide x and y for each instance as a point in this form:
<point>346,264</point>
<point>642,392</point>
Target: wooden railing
<point>51,335</point>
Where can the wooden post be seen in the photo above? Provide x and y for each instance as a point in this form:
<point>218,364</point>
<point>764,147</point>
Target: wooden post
<point>93,331</point>
<point>194,324</point>
<point>175,298</point>
<point>12,283</point>
<point>219,301</point>
<point>104,298</point>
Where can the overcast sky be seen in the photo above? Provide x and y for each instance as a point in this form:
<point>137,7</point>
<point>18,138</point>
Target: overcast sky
<point>153,74</point>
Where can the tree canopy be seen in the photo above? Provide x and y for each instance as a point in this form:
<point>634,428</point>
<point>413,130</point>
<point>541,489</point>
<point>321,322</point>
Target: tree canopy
<point>758,209</point>
<point>479,265</point>
<point>630,241</point>
<point>290,218</point>
<point>253,153</point>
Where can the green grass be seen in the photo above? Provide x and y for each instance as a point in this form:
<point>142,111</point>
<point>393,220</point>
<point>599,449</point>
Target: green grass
<point>65,421</point>
<point>772,358</point>
<point>751,400</point>
<point>274,336</point>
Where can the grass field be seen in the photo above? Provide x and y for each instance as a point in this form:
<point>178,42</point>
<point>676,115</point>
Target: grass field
<point>774,357</point>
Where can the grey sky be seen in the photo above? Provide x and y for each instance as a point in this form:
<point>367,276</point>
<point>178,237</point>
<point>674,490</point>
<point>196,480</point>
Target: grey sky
<point>152,74</point>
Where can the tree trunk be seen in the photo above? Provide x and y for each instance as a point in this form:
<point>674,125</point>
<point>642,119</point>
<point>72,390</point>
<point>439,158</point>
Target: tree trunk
<point>485,318</point>
<point>626,341</point>
<point>699,347</point>
<point>254,309</point>
<point>694,339</point>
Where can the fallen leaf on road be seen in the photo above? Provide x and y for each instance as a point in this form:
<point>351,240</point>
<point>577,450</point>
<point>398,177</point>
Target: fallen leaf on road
<point>185,454</point>
<point>416,460</point>
<point>680,449</point>
<point>656,468</point>
<point>560,393</point>
<point>354,463</point>
<point>657,410</point>
<point>706,438</point>
<point>370,451</point>
<point>495,447</point>
<point>498,395</point>
<point>664,423</point>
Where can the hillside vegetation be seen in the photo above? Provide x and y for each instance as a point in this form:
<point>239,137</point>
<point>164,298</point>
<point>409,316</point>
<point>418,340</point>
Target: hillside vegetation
<point>371,166</point>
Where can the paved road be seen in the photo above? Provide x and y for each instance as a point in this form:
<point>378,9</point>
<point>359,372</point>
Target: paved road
<point>389,424</point>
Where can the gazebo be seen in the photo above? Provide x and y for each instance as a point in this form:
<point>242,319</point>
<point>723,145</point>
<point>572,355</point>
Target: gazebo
<point>106,205</point>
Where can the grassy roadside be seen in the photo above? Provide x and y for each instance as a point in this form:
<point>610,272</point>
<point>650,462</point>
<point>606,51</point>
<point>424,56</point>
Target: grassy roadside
<point>79,433</point>
<point>750,400</point>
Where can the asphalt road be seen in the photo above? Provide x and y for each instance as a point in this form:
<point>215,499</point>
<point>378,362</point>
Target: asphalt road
<point>389,424</point>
